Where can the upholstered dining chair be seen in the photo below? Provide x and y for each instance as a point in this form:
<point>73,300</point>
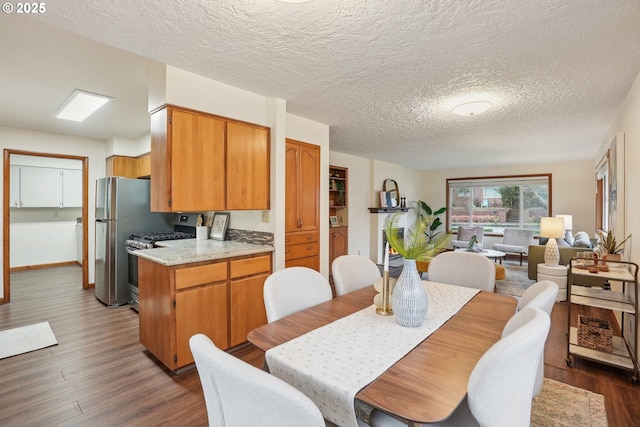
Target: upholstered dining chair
<point>353,272</point>
<point>294,289</point>
<point>238,394</point>
<point>463,269</point>
<point>500,388</point>
<point>464,236</point>
<point>540,295</point>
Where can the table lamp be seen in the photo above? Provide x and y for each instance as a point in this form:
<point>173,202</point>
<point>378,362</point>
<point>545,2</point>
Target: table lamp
<point>568,227</point>
<point>551,228</point>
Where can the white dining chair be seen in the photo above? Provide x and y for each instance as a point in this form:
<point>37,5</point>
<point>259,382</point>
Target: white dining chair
<point>500,387</point>
<point>238,394</point>
<point>540,295</point>
<point>463,269</point>
<point>353,272</point>
<point>293,289</point>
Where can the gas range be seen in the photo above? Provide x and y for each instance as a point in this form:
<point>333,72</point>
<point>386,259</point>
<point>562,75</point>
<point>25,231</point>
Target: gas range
<point>148,240</point>
<point>184,227</point>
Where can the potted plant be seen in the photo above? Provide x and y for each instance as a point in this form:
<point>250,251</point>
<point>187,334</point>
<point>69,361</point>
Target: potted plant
<point>425,213</point>
<point>409,299</point>
<point>608,242</point>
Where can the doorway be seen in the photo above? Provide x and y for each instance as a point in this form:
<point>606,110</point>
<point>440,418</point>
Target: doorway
<point>7,212</point>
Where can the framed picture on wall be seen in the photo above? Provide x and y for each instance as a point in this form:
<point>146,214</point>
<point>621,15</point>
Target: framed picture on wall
<point>334,221</point>
<point>219,225</point>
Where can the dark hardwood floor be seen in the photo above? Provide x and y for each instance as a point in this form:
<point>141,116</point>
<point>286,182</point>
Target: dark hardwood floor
<point>100,375</point>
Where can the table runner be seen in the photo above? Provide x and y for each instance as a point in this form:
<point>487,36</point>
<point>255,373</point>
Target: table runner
<point>332,363</point>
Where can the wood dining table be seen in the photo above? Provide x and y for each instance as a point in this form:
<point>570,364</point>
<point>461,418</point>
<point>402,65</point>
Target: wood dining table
<point>428,383</point>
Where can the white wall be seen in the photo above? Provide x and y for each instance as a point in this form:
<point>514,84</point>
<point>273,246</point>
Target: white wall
<point>40,142</point>
<point>627,126</point>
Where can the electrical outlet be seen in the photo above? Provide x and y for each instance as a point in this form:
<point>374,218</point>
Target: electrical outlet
<point>265,216</point>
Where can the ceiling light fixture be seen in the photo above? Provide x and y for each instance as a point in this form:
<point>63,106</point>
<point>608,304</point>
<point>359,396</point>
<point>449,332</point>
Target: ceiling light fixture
<point>80,105</point>
<point>472,108</point>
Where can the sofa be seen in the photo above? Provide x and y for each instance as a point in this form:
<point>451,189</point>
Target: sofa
<point>536,256</point>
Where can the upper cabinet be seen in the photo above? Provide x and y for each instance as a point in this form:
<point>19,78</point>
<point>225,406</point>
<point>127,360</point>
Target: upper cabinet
<point>248,180</point>
<point>44,187</point>
<point>302,191</point>
<point>201,162</point>
<point>129,167</point>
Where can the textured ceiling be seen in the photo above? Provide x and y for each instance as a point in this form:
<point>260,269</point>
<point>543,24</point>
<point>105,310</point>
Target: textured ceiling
<point>385,74</point>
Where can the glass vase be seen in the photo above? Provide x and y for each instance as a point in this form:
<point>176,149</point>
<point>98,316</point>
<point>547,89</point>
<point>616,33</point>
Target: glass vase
<point>409,299</point>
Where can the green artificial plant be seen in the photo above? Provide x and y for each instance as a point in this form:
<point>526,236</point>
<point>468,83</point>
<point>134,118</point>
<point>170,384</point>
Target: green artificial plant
<point>419,242</point>
<point>425,213</point>
<point>608,241</point>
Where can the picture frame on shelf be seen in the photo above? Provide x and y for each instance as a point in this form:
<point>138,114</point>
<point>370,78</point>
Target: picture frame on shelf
<point>219,225</point>
<point>333,220</point>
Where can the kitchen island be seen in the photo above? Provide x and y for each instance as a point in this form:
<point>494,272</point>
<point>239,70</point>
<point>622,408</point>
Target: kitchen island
<point>195,286</point>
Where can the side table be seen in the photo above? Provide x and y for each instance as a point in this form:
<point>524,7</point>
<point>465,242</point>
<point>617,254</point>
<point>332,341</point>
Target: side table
<point>557,274</point>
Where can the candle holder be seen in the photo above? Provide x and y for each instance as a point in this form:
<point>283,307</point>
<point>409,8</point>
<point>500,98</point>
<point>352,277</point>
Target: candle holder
<point>385,308</point>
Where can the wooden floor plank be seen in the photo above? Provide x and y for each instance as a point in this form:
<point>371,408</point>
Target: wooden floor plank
<point>99,373</point>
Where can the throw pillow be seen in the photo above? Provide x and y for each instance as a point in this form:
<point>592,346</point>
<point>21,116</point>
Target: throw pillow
<point>465,233</point>
<point>581,240</point>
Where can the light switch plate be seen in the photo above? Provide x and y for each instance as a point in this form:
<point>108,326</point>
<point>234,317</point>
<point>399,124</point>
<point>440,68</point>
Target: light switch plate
<point>265,216</point>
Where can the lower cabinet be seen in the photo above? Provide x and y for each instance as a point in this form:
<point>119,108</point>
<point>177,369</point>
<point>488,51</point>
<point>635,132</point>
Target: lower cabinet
<point>338,243</point>
<point>221,299</point>
<point>302,249</point>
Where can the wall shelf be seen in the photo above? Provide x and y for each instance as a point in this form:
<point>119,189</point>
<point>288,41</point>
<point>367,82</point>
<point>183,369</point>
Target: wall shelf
<point>388,210</point>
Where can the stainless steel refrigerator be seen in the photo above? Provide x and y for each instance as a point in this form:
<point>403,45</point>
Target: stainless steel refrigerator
<point>122,208</point>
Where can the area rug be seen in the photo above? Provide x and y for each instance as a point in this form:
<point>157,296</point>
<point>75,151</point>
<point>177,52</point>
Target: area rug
<point>557,405</point>
<point>25,339</point>
<point>516,279</point>
<point>562,405</point>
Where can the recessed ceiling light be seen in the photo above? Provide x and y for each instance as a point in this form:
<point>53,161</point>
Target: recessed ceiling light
<point>80,105</point>
<point>472,108</point>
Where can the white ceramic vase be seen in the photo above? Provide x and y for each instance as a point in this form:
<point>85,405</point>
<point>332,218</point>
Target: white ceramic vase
<point>409,299</point>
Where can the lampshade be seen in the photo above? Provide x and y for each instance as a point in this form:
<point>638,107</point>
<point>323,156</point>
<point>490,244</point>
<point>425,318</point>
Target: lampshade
<point>568,221</point>
<point>552,227</point>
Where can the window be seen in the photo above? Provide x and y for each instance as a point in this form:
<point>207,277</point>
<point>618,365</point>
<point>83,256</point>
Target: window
<point>498,202</point>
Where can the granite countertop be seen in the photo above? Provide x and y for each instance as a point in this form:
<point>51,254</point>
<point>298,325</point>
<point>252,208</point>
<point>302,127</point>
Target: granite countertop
<point>175,252</point>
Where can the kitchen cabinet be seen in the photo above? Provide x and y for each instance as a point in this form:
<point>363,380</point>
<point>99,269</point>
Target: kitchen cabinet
<point>71,188</point>
<point>143,166</point>
<point>247,173</point>
<point>121,166</point>
<point>338,243</point>
<point>221,299</point>
<point>200,162</point>
<point>43,187</point>
<point>14,190</point>
<point>187,161</point>
<point>129,167</point>
<point>302,204</point>
<point>247,278</point>
<point>623,352</point>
